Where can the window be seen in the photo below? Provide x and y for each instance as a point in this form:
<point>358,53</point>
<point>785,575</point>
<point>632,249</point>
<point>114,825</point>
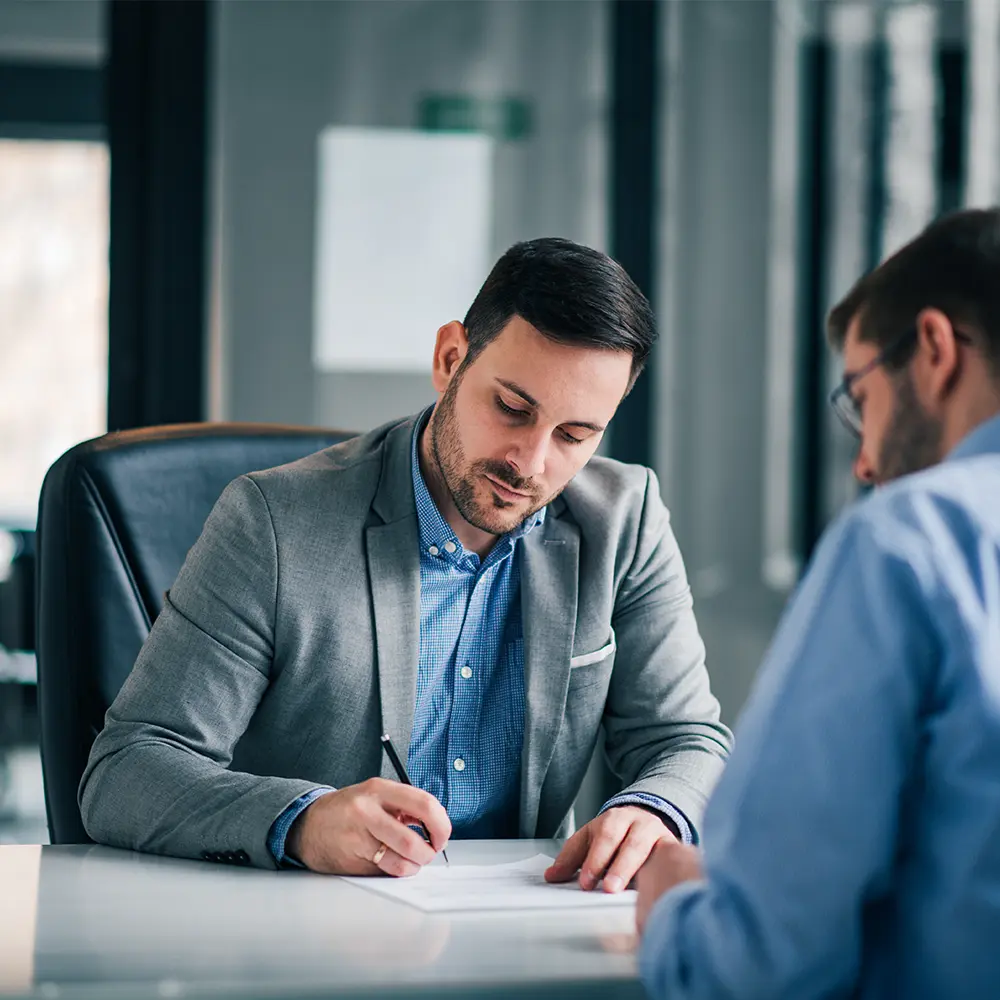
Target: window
<point>53,310</point>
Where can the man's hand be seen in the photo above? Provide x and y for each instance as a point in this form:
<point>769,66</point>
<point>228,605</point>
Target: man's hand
<point>670,863</point>
<point>612,846</point>
<point>342,832</point>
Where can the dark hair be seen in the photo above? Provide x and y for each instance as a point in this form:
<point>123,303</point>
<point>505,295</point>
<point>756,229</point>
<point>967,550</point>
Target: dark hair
<point>953,265</point>
<point>570,294</point>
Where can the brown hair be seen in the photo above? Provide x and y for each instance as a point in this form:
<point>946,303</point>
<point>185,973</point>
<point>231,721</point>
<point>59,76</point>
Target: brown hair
<point>570,294</point>
<point>953,265</point>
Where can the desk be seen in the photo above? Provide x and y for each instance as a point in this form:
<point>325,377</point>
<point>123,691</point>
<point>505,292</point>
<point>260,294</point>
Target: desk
<point>83,923</point>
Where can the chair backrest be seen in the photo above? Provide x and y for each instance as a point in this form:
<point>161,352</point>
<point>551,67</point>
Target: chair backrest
<point>116,518</point>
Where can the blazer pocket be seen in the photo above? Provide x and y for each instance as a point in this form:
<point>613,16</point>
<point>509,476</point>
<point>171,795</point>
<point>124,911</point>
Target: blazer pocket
<point>585,659</point>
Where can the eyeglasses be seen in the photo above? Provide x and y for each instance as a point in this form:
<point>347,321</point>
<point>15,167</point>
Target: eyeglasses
<point>845,405</point>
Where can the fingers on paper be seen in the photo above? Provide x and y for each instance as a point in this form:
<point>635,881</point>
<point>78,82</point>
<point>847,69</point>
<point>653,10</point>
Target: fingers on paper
<point>629,858</point>
<point>604,845</point>
<point>570,858</point>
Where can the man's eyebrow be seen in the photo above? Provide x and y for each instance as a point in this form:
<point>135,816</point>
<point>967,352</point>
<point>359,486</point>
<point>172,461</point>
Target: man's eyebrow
<point>531,401</point>
<point>518,391</point>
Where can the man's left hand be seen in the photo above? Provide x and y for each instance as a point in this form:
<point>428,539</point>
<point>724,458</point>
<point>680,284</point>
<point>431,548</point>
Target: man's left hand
<point>612,847</point>
<point>670,864</point>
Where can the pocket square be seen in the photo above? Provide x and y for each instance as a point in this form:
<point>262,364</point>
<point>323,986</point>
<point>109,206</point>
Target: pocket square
<point>585,659</point>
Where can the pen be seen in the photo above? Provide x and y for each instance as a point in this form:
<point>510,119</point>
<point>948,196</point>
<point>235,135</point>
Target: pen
<point>400,770</point>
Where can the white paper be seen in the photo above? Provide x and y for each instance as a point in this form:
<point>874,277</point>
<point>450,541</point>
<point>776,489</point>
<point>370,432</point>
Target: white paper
<point>403,233</point>
<point>518,885</point>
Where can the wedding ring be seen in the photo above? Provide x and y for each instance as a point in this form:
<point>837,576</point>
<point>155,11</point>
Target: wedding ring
<point>379,854</point>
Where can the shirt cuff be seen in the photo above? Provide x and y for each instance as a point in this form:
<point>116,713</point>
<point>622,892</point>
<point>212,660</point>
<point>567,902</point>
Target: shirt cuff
<point>667,810</point>
<point>279,828</point>
<point>662,956</point>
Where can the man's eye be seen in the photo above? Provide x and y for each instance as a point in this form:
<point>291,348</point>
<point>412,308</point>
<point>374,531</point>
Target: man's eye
<point>510,410</point>
<point>569,439</point>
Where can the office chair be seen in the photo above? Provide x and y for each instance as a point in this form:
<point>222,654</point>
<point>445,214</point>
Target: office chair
<point>116,518</point>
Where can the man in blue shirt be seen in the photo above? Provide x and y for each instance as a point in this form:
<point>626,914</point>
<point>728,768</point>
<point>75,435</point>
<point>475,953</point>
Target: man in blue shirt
<point>474,581</point>
<point>852,848</point>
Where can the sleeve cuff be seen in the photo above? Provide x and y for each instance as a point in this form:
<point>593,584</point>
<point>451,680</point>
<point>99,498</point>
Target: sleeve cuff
<point>667,810</point>
<point>661,957</point>
<point>279,828</point>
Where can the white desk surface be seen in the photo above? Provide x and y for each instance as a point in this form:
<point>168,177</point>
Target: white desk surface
<point>87,922</point>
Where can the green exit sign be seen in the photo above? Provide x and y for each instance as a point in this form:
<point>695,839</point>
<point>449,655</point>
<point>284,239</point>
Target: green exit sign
<point>507,118</point>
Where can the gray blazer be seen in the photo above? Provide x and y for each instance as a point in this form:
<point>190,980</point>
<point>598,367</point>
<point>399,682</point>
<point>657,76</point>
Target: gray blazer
<point>290,640</point>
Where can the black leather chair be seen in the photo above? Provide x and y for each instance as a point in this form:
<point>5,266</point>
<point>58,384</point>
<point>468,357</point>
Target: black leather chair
<point>116,518</point>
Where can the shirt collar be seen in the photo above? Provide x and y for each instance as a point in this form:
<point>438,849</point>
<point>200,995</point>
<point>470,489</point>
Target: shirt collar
<point>981,441</point>
<point>435,532</point>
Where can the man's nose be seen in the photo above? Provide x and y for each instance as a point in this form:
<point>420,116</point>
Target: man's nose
<point>863,469</point>
<point>527,453</point>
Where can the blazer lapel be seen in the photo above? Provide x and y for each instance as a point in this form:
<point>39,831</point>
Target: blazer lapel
<point>550,564</point>
<point>393,550</point>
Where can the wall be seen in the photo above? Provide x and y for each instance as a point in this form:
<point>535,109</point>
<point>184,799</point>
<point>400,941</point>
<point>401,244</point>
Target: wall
<point>712,300</point>
<point>69,31</point>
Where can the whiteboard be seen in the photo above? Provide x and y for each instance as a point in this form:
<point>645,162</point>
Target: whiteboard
<point>403,237</point>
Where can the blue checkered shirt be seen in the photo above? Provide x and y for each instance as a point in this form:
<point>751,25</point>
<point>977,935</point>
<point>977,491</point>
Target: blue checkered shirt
<point>468,721</point>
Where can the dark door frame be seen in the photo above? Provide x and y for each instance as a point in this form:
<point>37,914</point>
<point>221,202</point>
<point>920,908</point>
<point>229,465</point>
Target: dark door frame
<point>635,43</point>
<point>157,129</point>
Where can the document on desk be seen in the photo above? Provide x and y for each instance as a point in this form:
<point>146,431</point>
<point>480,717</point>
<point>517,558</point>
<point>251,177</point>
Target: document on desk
<point>517,885</point>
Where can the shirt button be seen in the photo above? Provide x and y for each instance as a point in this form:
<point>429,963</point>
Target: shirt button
<point>434,550</point>
<point>466,671</point>
<point>450,547</point>
<point>459,764</point>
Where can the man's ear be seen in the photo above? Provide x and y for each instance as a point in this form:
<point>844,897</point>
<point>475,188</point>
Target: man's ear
<point>937,360</point>
<point>450,349</point>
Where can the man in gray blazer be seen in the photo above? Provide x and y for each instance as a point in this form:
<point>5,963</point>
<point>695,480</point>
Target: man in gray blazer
<point>471,581</point>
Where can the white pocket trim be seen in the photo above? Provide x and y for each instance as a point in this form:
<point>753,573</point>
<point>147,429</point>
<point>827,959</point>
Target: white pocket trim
<point>585,659</point>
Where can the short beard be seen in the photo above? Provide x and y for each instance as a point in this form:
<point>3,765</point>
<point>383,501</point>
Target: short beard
<point>912,441</point>
<point>460,480</point>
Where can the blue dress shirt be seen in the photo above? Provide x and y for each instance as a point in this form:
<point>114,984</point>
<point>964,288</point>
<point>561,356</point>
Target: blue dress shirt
<point>468,721</point>
<point>852,846</point>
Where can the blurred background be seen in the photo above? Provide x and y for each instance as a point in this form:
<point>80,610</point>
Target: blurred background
<point>263,210</point>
